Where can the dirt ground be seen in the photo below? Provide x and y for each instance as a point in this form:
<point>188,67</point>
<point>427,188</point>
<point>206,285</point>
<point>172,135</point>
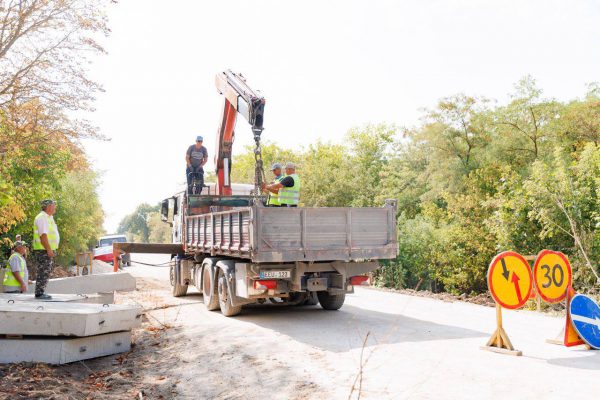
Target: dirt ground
<point>124,376</point>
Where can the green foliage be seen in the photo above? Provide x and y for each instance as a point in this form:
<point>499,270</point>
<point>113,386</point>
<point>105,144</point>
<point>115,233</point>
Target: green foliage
<point>79,214</point>
<point>136,225</point>
<point>160,232</point>
<point>471,180</point>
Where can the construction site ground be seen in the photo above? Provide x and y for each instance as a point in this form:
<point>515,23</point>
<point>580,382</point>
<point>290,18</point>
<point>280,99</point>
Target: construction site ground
<point>380,345</point>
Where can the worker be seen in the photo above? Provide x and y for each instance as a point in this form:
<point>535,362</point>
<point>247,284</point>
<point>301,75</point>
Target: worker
<point>288,187</point>
<point>195,157</point>
<point>16,276</point>
<point>273,199</point>
<point>45,243</point>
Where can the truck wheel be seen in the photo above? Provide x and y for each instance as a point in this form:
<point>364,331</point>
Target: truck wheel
<point>209,290</point>
<point>331,301</point>
<point>311,299</point>
<point>178,290</point>
<point>227,309</point>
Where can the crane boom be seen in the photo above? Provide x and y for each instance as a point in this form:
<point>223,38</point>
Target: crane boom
<point>239,98</point>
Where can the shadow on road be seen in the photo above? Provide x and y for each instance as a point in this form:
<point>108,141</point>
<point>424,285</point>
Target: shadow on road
<point>346,328</point>
<point>590,361</point>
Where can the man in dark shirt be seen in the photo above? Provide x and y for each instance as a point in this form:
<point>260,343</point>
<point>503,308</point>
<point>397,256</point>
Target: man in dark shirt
<point>195,158</point>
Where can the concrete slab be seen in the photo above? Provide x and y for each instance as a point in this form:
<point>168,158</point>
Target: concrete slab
<point>67,319</point>
<point>63,350</point>
<point>96,298</point>
<point>100,283</point>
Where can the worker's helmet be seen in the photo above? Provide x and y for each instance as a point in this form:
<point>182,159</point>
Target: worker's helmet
<point>275,166</point>
<point>199,139</point>
<point>290,165</point>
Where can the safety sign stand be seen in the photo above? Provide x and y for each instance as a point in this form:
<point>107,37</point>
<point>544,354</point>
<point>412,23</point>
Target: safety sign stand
<point>568,336</point>
<point>510,283</point>
<point>499,342</point>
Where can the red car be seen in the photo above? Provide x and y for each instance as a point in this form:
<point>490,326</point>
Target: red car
<point>104,249</point>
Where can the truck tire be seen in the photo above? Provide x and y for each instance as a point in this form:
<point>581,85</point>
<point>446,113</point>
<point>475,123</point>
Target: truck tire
<point>311,299</point>
<point>227,309</point>
<point>178,290</point>
<point>209,290</point>
<point>331,301</point>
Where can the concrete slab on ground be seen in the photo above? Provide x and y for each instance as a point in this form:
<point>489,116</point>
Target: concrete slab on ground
<point>63,350</point>
<point>98,267</point>
<point>67,319</point>
<point>96,298</point>
<point>100,283</point>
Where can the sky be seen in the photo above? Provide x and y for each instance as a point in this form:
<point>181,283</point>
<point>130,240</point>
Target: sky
<point>324,66</point>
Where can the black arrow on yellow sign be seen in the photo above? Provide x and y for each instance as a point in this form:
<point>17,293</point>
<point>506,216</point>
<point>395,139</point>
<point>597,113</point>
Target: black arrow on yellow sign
<point>505,272</point>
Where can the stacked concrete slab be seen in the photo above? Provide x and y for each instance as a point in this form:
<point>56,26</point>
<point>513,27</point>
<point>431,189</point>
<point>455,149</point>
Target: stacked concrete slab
<point>60,332</point>
<point>117,281</point>
<point>70,327</point>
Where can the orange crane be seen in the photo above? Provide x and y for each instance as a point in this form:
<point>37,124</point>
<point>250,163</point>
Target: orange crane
<point>239,98</point>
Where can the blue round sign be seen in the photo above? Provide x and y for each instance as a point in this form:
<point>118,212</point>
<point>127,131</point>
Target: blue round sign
<point>585,315</point>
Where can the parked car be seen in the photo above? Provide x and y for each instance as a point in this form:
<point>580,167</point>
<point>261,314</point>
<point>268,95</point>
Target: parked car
<point>104,249</point>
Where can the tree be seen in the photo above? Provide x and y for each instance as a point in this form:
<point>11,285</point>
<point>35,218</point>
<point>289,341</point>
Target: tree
<point>43,48</point>
<point>325,174</point>
<point>368,153</point>
<point>160,232</point>
<point>135,225</point>
<point>565,199</point>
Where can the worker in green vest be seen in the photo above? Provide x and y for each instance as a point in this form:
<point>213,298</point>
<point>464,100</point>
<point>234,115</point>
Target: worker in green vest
<point>16,275</point>
<point>288,188</point>
<point>273,199</point>
<point>45,244</point>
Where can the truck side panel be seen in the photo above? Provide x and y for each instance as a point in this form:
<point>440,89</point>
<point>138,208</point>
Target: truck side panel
<point>265,234</point>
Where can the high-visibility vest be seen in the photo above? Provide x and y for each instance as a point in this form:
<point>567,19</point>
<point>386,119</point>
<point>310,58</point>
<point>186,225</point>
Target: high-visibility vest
<point>52,232</point>
<point>9,277</point>
<point>273,199</point>
<point>290,195</point>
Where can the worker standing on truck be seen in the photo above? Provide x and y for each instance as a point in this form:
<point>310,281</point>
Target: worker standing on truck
<point>16,275</point>
<point>273,199</point>
<point>195,157</point>
<point>45,244</point>
<point>288,187</point>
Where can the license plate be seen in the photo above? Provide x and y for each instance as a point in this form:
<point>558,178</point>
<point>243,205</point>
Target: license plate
<point>275,274</point>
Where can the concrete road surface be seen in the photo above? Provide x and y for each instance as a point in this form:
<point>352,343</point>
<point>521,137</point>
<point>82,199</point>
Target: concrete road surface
<point>417,348</point>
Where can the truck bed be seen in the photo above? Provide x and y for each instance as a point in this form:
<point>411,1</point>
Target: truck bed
<point>272,234</point>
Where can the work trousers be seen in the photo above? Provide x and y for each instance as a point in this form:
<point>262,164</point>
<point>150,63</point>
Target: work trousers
<point>44,268</point>
<point>199,172</point>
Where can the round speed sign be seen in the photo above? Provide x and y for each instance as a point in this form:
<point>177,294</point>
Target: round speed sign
<point>552,275</point>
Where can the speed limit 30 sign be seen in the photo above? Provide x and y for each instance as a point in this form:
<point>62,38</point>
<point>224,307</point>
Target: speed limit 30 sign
<point>552,275</point>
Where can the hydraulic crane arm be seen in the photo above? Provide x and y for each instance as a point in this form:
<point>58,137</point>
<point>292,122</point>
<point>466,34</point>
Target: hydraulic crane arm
<point>239,98</point>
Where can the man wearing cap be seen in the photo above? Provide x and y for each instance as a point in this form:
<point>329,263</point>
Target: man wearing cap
<point>195,158</point>
<point>45,244</point>
<point>288,187</point>
<point>273,199</point>
<point>16,276</point>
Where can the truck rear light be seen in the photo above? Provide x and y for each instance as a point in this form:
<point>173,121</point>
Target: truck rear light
<point>359,280</point>
<point>264,285</point>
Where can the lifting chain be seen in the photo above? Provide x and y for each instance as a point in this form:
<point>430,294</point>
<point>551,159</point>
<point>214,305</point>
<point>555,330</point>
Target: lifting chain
<point>259,172</point>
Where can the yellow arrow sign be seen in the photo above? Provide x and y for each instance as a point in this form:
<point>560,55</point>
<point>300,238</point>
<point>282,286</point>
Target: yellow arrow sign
<point>509,280</point>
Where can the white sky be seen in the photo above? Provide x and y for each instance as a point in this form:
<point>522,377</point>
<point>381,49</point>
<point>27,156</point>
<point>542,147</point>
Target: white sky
<point>323,67</point>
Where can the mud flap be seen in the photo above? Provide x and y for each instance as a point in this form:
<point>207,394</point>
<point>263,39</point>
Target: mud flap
<point>228,268</point>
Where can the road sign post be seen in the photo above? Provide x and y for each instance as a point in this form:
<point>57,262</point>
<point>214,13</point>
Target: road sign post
<point>510,283</point>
